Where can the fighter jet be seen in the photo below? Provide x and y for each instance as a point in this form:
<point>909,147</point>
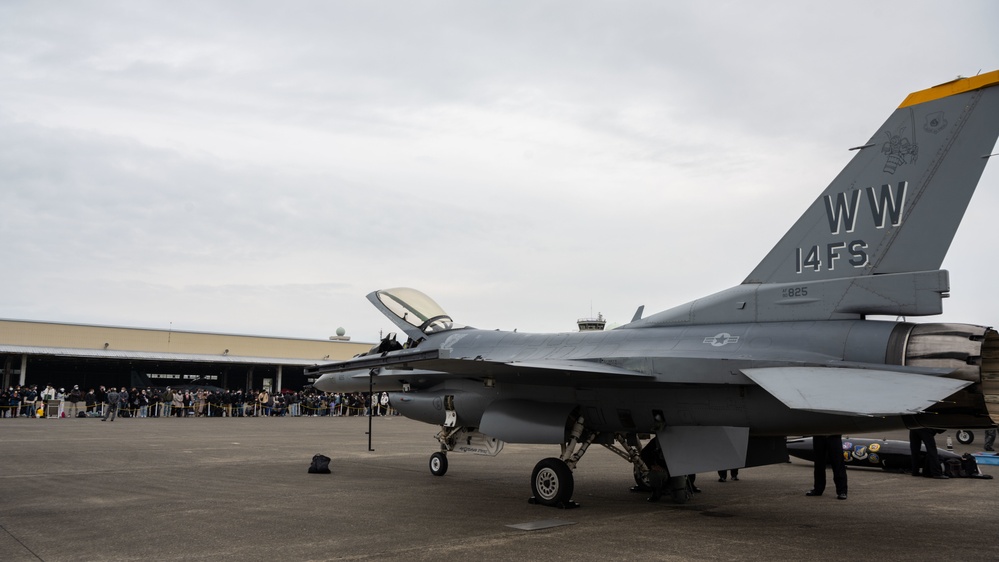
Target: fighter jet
<point>720,381</point>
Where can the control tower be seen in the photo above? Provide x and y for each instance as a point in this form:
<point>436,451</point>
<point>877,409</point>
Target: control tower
<point>592,324</point>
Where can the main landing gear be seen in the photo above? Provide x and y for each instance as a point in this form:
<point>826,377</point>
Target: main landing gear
<point>629,448</point>
<point>552,482</point>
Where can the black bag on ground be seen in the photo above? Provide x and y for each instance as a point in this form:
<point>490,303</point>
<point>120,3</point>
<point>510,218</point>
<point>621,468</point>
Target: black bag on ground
<point>970,467</point>
<point>320,465</point>
<point>952,468</point>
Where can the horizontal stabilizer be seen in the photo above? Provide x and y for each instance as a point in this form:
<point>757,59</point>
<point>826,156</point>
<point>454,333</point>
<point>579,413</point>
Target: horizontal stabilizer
<point>854,391</point>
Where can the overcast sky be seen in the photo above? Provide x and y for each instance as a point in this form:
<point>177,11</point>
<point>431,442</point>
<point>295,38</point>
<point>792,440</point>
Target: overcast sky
<point>259,167</point>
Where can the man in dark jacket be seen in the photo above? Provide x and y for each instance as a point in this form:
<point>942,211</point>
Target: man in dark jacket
<point>123,401</point>
<point>91,400</point>
<point>113,401</point>
<point>167,402</point>
<point>75,399</point>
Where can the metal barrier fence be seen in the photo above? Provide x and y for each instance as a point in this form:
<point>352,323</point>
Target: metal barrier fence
<point>42,409</point>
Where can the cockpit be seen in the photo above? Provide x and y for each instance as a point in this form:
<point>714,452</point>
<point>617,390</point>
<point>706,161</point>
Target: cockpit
<point>412,311</point>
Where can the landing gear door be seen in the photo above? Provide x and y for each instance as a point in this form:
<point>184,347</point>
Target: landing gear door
<point>450,415</point>
<point>693,449</point>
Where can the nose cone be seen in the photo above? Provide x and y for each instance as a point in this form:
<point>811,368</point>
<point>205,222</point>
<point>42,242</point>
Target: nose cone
<point>362,380</point>
<point>326,383</point>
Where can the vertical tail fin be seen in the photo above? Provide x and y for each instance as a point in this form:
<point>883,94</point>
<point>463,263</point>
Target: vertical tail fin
<point>873,242</point>
<point>896,206</point>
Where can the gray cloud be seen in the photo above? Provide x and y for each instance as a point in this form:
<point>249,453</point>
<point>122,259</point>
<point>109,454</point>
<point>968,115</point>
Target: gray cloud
<point>259,169</point>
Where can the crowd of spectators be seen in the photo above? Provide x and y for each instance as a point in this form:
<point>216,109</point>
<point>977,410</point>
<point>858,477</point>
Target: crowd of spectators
<point>29,401</point>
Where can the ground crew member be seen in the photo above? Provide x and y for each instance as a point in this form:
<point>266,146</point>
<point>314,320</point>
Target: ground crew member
<point>927,437</point>
<point>828,449</point>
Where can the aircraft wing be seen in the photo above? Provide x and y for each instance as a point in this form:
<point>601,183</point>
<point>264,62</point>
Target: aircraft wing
<point>439,362</point>
<point>869,392</point>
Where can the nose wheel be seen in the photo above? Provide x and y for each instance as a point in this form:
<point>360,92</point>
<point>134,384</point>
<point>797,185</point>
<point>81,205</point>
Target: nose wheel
<point>438,464</point>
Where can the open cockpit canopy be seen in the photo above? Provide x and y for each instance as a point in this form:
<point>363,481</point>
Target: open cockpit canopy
<point>412,311</point>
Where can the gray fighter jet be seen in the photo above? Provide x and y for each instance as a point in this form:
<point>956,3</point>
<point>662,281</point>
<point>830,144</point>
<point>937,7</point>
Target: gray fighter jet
<point>723,379</point>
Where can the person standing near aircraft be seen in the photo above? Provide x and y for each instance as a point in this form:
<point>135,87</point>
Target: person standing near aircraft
<point>177,404</point>
<point>828,449</point>
<point>263,398</point>
<point>990,439</point>
<point>113,400</point>
<point>926,437</point>
<point>155,403</point>
<point>48,395</point>
<point>140,401</point>
<point>722,474</point>
<point>5,402</point>
<point>187,404</point>
<point>167,402</point>
<point>691,478</point>
<point>123,402</point>
<point>28,403</point>
<point>90,400</point>
<point>75,398</point>
<point>102,399</point>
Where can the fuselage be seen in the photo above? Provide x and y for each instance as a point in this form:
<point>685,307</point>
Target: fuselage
<point>692,375</point>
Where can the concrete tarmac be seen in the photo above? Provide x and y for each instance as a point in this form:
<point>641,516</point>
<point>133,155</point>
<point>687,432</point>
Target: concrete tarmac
<point>238,489</point>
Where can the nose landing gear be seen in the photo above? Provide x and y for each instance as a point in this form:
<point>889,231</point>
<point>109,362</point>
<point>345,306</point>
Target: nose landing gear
<point>438,464</point>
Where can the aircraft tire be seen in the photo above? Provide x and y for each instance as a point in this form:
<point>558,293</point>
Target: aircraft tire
<point>678,489</point>
<point>965,437</point>
<point>642,481</point>
<point>552,482</point>
<point>438,464</point>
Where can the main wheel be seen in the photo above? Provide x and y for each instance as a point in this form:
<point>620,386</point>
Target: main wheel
<point>965,437</point>
<point>679,489</point>
<point>551,482</point>
<point>438,464</point>
<point>642,480</point>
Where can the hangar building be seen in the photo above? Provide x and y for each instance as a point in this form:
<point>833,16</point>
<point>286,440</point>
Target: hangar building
<point>64,355</point>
